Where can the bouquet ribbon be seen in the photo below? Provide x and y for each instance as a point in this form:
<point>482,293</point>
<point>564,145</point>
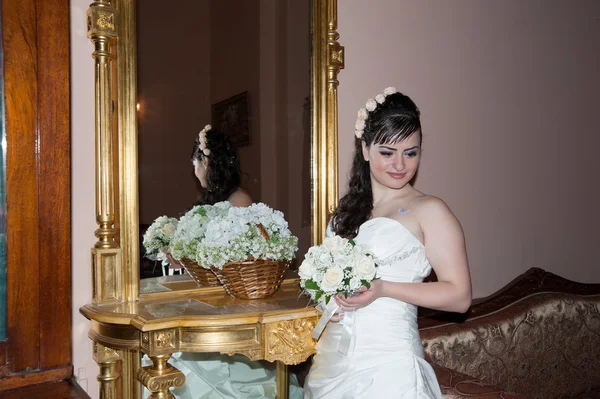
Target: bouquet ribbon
<point>347,322</point>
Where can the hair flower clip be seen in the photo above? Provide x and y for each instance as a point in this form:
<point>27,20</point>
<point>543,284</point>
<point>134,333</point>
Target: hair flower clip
<point>202,135</point>
<point>371,105</point>
<point>363,114</point>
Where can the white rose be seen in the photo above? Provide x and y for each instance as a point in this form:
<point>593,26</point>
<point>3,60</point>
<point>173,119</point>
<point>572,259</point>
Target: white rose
<point>380,98</point>
<point>312,250</point>
<point>360,124</point>
<point>168,229</point>
<point>332,279</point>
<point>358,134</point>
<point>390,90</point>
<point>306,269</point>
<point>365,268</point>
<point>325,258</point>
<point>334,243</point>
<point>363,114</point>
<point>354,283</point>
<point>371,104</point>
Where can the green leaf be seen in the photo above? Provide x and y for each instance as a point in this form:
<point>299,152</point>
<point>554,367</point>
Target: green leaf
<point>327,299</point>
<point>351,241</point>
<point>366,284</point>
<point>311,285</point>
<point>318,295</point>
<point>274,239</point>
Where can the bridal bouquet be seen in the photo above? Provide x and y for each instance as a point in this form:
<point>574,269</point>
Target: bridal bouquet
<point>158,237</point>
<point>191,229</point>
<point>255,232</point>
<point>338,266</point>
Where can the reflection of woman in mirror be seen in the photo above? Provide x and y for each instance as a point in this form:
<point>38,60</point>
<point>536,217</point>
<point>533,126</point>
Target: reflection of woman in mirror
<point>212,375</point>
<point>409,233</point>
<point>217,167</point>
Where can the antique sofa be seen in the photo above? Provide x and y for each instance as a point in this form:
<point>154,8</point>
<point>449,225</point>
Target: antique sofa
<point>538,338</point>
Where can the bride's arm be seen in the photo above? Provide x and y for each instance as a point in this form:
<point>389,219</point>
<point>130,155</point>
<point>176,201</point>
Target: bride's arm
<point>445,249</point>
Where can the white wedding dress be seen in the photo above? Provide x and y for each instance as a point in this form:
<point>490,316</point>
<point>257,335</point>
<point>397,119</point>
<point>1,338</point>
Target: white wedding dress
<point>385,358</point>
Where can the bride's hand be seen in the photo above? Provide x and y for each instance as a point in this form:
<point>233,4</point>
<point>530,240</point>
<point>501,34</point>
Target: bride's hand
<point>364,298</point>
<point>337,316</point>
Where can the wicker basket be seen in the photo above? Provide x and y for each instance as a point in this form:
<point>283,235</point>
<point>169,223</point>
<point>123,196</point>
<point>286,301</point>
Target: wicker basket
<point>253,278</point>
<point>202,276</point>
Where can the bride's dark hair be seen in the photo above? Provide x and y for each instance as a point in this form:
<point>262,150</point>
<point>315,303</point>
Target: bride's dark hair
<point>223,173</point>
<point>389,123</point>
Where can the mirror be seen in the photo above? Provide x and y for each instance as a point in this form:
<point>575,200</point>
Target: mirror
<point>242,66</point>
<point>112,29</point>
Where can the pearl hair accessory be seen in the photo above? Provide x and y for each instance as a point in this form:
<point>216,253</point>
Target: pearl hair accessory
<point>370,106</point>
<point>202,136</point>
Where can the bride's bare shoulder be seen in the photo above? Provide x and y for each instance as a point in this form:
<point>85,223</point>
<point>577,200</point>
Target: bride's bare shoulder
<point>429,206</point>
<point>240,198</point>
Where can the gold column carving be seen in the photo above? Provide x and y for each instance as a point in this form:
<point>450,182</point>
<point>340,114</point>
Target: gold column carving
<point>128,147</point>
<point>327,61</point>
<point>160,377</point>
<point>109,376</point>
<point>102,31</point>
<point>282,379</point>
<point>131,366</point>
<point>102,28</point>
<point>335,62</point>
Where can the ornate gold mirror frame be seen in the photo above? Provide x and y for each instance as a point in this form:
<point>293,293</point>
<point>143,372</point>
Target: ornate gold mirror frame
<point>118,327</point>
<point>112,28</point>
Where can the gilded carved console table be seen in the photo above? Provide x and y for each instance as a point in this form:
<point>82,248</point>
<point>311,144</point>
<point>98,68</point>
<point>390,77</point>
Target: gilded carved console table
<point>276,329</point>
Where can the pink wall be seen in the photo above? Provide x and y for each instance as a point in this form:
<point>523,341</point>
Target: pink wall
<point>509,93</point>
<point>83,191</point>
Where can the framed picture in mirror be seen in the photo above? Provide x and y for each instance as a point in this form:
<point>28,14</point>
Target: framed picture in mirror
<point>231,117</point>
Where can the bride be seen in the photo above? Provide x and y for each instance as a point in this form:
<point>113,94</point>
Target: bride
<point>410,233</point>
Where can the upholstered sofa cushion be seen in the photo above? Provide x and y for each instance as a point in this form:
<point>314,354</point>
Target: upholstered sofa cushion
<point>593,393</point>
<point>455,385</point>
<point>544,346</point>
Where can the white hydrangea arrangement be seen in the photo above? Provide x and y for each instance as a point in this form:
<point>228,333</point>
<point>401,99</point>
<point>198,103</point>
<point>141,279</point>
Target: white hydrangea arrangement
<point>338,266</point>
<point>158,237</point>
<point>236,236</point>
<point>192,228</point>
